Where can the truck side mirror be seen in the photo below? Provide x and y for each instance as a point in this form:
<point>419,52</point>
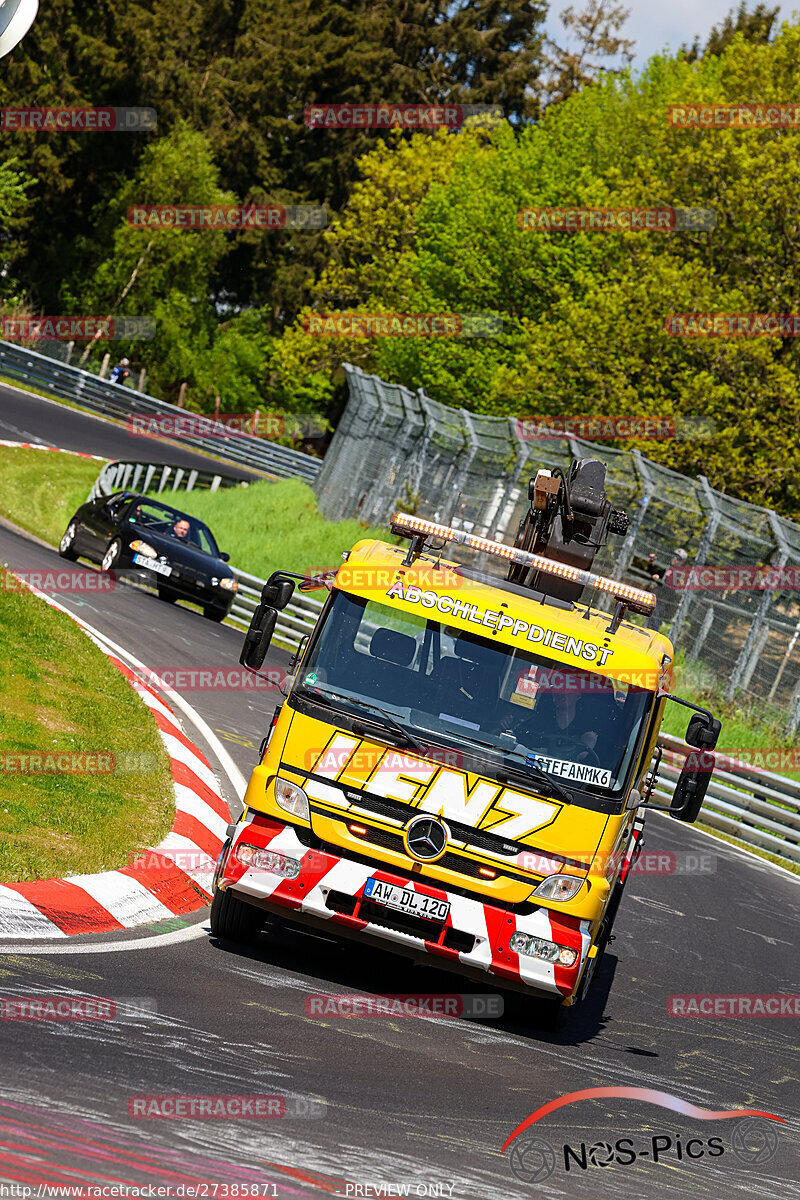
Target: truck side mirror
<point>298,654</point>
<point>277,591</point>
<point>258,637</point>
<point>690,790</point>
<point>703,731</point>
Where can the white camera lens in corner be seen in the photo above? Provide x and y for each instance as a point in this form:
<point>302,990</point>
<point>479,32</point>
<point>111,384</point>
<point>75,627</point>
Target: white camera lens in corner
<point>16,18</point>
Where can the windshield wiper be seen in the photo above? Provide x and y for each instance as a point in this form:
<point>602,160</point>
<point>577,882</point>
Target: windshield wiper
<point>383,718</point>
<point>553,786</point>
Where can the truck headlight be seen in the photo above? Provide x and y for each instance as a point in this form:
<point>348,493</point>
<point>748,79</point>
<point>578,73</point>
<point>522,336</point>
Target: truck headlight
<point>268,860</point>
<point>230,585</point>
<point>144,548</point>
<point>291,798</point>
<point>536,947</point>
<point>559,887</point>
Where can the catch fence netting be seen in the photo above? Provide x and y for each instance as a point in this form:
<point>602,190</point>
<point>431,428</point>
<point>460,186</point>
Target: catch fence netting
<point>395,448</point>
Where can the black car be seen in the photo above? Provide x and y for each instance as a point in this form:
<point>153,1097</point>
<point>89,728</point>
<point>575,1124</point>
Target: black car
<point>128,531</point>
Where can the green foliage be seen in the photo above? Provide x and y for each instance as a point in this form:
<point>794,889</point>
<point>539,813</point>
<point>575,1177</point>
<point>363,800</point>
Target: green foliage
<point>161,273</point>
<point>584,313</point>
<point>270,526</point>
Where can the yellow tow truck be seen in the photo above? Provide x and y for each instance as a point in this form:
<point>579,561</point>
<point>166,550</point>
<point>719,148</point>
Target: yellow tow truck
<point>462,762</point>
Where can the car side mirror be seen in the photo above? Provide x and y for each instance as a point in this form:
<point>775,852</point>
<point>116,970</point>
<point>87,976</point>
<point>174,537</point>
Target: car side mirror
<point>690,790</point>
<point>258,637</point>
<point>277,591</point>
<point>703,731</point>
<point>225,557</point>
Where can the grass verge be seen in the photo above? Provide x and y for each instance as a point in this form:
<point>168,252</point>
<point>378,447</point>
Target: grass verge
<point>40,490</point>
<point>743,726</point>
<point>268,526</point>
<point>62,696</point>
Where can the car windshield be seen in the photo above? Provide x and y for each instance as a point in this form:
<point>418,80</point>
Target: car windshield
<point>160,518</point>
<point>446,685</point>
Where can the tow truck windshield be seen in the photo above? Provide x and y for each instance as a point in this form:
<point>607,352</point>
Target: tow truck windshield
<point>435,682</point>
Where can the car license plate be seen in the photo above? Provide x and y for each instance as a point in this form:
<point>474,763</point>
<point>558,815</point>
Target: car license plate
<point>152,565</point>
<point>406,900</point>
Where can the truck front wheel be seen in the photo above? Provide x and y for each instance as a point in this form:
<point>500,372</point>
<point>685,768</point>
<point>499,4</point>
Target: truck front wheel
<point>233,920</point>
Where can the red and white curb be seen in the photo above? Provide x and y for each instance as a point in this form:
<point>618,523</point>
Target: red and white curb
<point>54,449</point>
<point>172,879</point>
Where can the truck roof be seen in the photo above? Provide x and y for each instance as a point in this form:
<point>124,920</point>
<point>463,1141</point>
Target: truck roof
<point>447,591</point>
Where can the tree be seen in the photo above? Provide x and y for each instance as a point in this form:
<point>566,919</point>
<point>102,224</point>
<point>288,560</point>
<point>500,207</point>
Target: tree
<point>755,26</point>
<point>159,273</point>
<point>242,72</point>
<point>597,31</point>
<point>584,314</point>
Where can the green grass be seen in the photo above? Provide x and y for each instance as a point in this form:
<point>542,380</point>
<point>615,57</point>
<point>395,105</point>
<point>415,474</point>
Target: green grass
<point>40,490</point>
<point>62,695</point>
<point>270,526</point>
<point>744,724</point>
<point>786,863</point>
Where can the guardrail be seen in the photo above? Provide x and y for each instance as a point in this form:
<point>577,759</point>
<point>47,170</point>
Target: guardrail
<point>755,806</point>
<point>758,807</point>
<point>111,400</point>
<point>296,620</point>
<point>158,477</point>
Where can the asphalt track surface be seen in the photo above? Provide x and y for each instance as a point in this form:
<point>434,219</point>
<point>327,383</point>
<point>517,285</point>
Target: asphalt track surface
<point>377,1105</point>
<point>25,417</point>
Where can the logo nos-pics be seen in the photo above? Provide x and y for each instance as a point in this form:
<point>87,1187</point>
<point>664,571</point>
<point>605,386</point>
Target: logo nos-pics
<point>16,18</point>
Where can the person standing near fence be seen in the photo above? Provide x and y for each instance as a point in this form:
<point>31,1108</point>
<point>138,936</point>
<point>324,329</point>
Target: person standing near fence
<point>120,372</point>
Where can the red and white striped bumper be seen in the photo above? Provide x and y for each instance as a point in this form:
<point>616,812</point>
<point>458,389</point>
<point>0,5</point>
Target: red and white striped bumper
<point>325,880</point>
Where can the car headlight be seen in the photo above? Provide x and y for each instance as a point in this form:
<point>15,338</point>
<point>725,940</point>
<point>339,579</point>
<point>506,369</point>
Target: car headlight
<point>267,860</point>
<point>291,798</point>
<point>230,585</point>
<point>559,887</point>
<point>536,947</point>
<point>144,548</point>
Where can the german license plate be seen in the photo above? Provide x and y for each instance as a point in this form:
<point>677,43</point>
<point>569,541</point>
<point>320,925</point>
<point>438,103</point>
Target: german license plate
<point>152,565</point>
<point>406,900</point>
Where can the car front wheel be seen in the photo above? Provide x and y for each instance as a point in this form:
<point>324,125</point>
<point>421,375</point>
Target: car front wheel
<point>112,555</point>
<point>66,547</point>
<point>213,613</point>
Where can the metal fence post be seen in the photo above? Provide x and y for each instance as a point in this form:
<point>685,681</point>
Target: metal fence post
<point>751,647</point>
<point>794,713</point>
<point>705,629</point>
<point>702,550</point>
<point>628,546</point>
